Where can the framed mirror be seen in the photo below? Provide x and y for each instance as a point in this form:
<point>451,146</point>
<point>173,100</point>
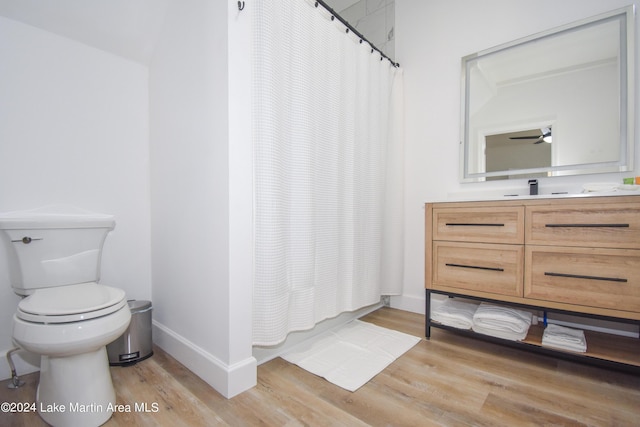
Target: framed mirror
<point>556,103</point>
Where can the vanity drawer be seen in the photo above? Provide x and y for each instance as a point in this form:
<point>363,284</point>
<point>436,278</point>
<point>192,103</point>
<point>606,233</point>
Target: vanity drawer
<point>594,277</point>
<point>607,225</point>
<point>479,224</point>
<point>492,268</point>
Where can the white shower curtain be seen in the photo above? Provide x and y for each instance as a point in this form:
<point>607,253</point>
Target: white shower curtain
<point>327,170</point>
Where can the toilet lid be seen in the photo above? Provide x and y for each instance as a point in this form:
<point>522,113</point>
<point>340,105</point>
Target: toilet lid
<point>71,303</point>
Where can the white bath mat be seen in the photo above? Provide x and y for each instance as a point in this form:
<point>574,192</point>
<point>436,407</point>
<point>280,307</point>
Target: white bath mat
<point>351,355</point>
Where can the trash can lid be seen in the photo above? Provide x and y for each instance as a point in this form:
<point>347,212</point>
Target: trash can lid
<point>138,305</point>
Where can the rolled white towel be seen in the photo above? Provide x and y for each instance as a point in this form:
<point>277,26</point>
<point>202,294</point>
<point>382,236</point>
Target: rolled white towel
<point>455,313</point>
<point>489,316</point>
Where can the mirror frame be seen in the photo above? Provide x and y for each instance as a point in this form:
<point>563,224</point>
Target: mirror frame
<point>626,119</point>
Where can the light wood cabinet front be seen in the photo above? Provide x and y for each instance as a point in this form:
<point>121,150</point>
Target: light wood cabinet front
<point>594,277</point>
<point>606,225</point>
<point>496,224</point>
<point>491,268</point>
<point>579,254</point>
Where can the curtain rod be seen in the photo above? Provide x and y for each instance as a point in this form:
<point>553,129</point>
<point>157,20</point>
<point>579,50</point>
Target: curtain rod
<point>356,32</point>
<point>350,27</point>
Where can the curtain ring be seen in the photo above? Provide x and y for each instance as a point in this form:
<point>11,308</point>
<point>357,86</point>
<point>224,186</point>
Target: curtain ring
<point>240,5</point>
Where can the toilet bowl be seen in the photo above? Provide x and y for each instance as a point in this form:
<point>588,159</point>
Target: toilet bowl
<point>71,341</point>
<point>66,316</point>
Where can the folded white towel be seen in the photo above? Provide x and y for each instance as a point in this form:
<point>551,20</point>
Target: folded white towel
<point>564,338</point>
<point>564,346</point>
<point>563,333</point>
<point>506,335</point>
<point>503,319</point>
<point>455,313</point>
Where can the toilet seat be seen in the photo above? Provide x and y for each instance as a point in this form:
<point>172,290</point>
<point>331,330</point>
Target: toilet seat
<point>72,303</point>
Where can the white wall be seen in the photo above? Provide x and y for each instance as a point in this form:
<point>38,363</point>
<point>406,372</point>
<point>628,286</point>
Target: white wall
<point>74,130</point>
<point>431,38</point>
<point>201,192</point>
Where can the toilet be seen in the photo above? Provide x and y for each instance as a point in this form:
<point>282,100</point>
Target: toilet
<point>66,316</point>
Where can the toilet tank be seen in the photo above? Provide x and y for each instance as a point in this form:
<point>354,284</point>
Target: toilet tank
<point>53,246</point>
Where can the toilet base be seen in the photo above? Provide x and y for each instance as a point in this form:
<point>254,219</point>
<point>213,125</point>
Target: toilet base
<point>76,390</point>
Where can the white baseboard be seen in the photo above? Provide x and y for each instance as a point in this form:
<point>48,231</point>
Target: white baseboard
<point>228,380</point>
<point>414,304</point>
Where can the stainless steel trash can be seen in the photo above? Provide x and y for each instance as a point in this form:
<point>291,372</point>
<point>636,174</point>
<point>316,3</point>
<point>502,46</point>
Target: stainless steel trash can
<point>135,344</point>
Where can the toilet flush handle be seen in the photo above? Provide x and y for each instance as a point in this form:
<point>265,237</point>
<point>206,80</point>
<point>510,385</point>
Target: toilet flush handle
<point>26,240</point>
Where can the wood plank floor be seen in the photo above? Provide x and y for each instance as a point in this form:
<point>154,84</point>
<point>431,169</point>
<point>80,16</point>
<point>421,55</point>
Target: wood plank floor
<point>449,380</point>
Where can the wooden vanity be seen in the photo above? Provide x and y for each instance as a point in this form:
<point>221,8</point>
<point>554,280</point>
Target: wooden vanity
<point>578,256</point>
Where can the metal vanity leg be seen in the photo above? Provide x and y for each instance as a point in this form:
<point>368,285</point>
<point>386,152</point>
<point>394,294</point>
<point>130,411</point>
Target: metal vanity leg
<point>427,316</point>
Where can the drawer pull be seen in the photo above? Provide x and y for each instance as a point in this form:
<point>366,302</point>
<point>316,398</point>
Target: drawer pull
<point>589,225</point>
<point>578,276</point>
<point>475,266</point>
<point>471,224</point>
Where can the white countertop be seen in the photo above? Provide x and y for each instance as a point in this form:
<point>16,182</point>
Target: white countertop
<point>506,195</point>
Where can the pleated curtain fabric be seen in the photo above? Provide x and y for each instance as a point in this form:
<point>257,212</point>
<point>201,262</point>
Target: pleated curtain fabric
<point>322,180</point>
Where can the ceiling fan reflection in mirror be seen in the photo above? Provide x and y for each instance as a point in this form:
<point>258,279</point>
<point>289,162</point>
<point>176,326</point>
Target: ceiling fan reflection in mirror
<point>544,137</point>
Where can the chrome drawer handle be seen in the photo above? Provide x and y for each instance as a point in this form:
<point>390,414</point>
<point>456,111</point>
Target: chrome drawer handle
<point>579,276</point>
<point>471,224</point>
<point>589,225</point>
<point>475,266</point>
